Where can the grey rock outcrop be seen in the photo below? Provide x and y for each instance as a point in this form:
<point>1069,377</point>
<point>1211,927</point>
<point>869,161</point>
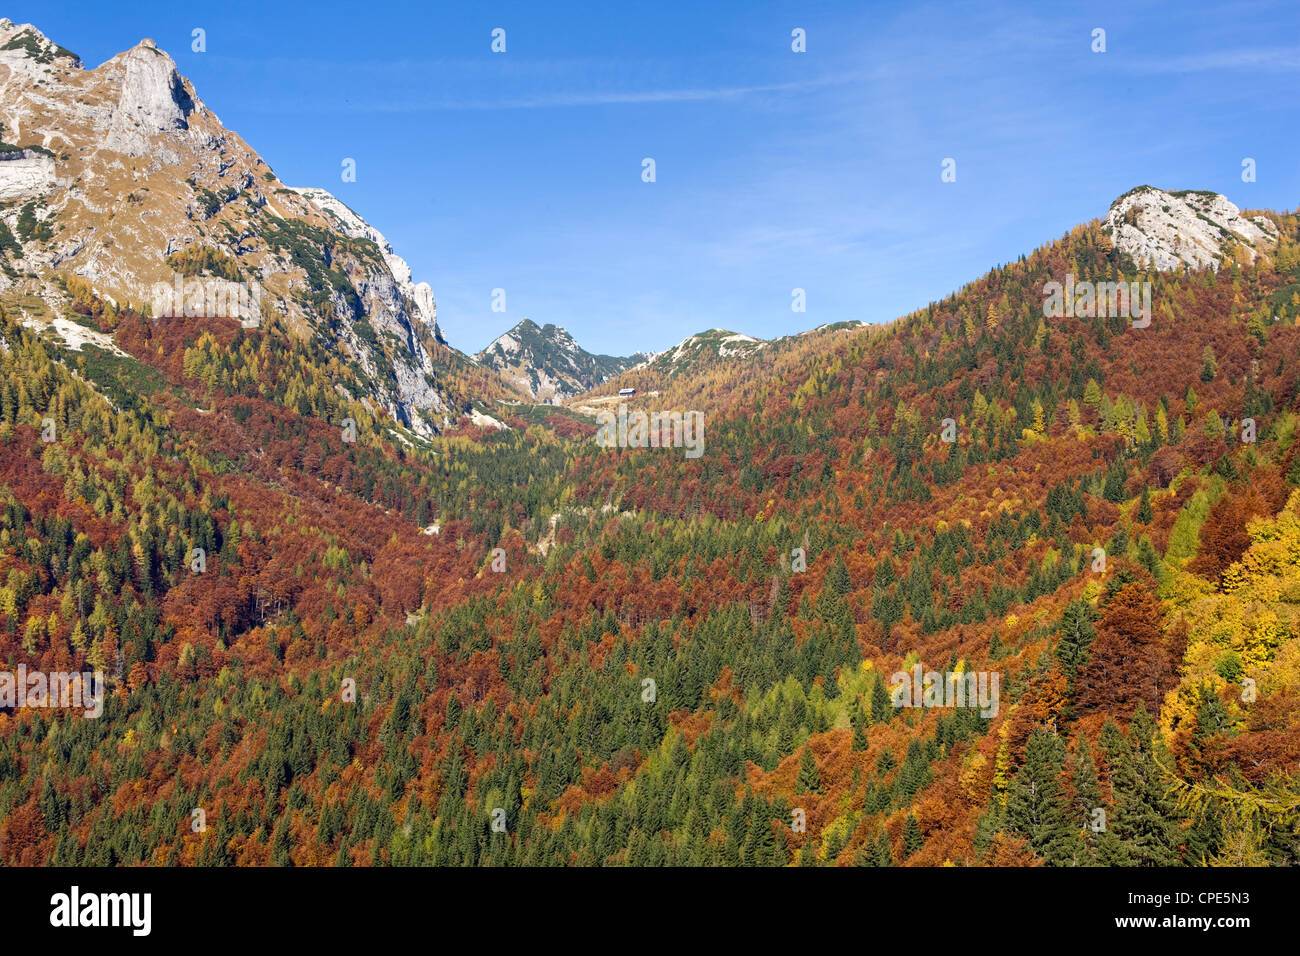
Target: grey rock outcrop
<point>1167,230</point>
<point>25,173</point>
<point>420,293</point>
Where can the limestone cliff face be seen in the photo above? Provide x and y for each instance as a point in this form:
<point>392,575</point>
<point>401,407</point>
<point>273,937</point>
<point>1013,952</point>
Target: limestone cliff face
<point>123,165</point>
<point>153,98</point>
<point>25,173</point>
<point>1167,230</point>
<point>353,225</point>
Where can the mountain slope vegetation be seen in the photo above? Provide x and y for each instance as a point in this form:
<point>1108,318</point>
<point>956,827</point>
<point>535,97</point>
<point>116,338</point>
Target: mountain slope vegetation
<point>516,647</point>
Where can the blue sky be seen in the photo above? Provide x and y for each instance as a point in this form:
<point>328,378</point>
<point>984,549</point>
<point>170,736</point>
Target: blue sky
<point>775,170</point>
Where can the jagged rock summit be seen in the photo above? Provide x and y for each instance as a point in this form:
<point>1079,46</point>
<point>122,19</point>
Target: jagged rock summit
<point>153,95</point>
<point>25,47</point>
<point>548,364</point>
<point>122,167</point>
<point>1194,228</point>
<point>353,225</point>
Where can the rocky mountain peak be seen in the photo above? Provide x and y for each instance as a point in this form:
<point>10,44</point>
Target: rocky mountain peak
<point>420,293</point>
<point>547,362</point>
<point>152,90</point>
<point>121,169</point>
<point>26,48</point>
<point>1194,228</point>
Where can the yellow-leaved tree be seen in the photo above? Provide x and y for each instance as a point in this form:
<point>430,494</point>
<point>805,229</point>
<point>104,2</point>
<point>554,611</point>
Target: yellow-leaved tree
<point>1227,723</point>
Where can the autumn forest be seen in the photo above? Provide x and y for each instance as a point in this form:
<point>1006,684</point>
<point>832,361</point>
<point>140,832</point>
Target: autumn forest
<point>517,648</point>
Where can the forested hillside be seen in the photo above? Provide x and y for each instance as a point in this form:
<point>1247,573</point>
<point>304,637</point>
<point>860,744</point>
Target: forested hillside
<point>567,654</point>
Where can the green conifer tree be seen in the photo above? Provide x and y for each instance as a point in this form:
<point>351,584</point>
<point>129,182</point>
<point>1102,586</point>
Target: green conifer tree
<point>912,838</point>
<point>1036,807</point>
<point>810,779</point>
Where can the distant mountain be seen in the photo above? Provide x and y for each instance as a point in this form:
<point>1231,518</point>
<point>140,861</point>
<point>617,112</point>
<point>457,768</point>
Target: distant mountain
<point>547,363</point>
<point>831,327</point>
<point>704,348</point>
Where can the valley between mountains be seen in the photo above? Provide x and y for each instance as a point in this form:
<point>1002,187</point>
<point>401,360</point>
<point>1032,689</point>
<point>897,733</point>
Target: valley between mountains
<point>362,598</point>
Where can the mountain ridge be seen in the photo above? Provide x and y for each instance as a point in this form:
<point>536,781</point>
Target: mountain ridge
<point>828,538</point>
<point>347,642</point>
<point>139,172</point>
<point>547,362</point>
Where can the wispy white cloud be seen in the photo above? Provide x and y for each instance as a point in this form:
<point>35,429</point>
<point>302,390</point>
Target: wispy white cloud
<point>565,98</point>
<point>560,99</point>
<point>1271,59</point>
<point>435,85</point>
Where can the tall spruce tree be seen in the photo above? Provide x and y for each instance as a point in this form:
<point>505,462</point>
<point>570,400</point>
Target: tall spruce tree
<point>810,779</point>
<point>881,706</point>
<point>1036,807</point>
<point>1077,634</point>
<point>912,838</point>
<point>1143,820</point>
<point>1084,807</point>
<point>882,854</point>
